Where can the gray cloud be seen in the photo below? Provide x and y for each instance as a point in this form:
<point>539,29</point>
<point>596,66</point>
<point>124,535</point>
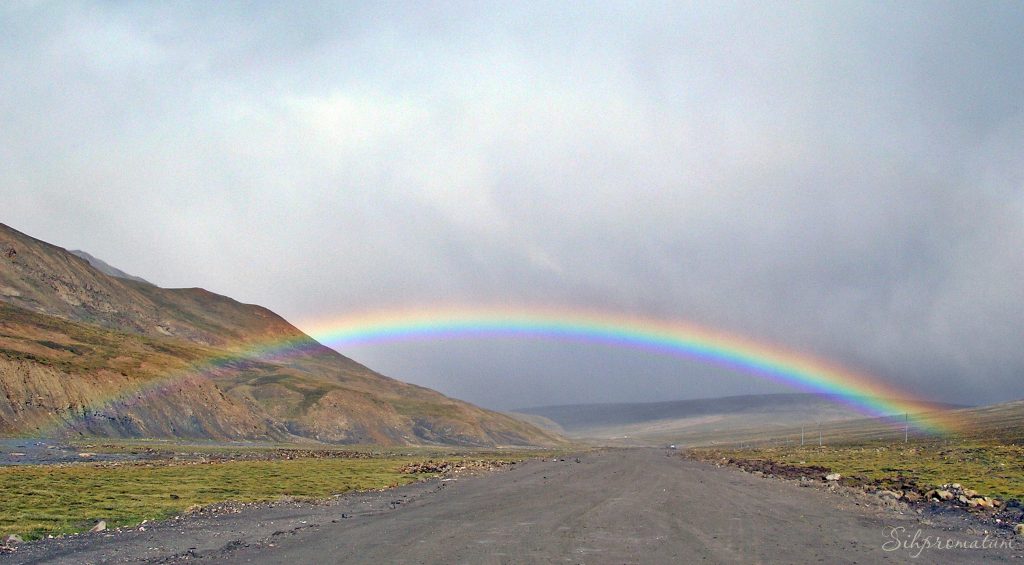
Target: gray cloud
<point>841,178</point>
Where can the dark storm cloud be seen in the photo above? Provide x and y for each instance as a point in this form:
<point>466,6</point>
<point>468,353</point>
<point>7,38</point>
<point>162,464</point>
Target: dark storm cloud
<point>841,178</point>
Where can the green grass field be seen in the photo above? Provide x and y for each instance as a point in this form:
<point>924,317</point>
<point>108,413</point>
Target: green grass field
<point>983,451</point>
<point>55,499</point>
<point>992,469</point>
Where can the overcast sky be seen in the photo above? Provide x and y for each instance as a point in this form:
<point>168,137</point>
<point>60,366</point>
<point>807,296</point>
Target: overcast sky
<point>846,179</point>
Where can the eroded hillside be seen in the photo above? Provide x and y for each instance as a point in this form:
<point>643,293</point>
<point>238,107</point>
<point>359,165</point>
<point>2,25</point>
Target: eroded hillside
<point>86,353</point>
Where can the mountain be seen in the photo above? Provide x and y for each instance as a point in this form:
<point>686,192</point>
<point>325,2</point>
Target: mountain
<point>106,268</point>
<point>995,423</point>
<point>688,422</point>
<point>84,352</point>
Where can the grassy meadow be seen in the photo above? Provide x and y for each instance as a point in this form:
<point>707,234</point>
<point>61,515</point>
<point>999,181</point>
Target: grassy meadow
<point>991,469</point>
<point>983,450</point>
<point>57,499</point>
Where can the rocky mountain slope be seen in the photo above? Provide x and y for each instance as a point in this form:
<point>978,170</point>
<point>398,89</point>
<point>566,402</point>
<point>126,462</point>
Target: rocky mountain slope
<point>82,352</point>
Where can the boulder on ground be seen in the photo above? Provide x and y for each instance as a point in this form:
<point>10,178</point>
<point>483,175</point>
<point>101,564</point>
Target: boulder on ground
<point>833,477</point>
<point>912,496</point>
<point>99,527</point>
<point>13,538</point>
<point>1019,529</point>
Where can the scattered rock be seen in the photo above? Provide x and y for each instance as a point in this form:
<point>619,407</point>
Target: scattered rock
<point>449,467</point>
<point>1019,529</point>
<point>897,493</point>
<point>983,502</point>
<point>889,495</point>
<point>86,455</point>
<point>99,527</point>
<point>912,496</point>
<point>13,538</point>
<point>427,467</point>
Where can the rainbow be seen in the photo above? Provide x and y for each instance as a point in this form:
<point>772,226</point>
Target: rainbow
<point>801,371</point>
<point>868,394</point>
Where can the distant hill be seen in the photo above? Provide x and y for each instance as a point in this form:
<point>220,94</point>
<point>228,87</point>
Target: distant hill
<point>84,352</point>
<point>105,268</point>
<point>1000,423</point>
<point>688,421</point>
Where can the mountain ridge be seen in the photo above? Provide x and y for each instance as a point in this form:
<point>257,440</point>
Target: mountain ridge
<point>691,421</point>
<point>106,268</point>
<point>88,353</point>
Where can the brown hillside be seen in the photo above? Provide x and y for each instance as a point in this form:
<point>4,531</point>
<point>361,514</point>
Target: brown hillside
<point>82,352</point>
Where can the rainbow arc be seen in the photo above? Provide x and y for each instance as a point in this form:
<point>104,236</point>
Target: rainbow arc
<point>868,394</point>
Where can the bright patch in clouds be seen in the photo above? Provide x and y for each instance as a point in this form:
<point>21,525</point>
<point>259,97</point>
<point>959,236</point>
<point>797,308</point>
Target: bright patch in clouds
<point>841,179</point>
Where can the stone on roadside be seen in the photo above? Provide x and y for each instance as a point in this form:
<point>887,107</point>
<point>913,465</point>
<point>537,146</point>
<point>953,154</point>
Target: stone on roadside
<point>943,495</point>
<point>833,477</point>
<point>13,538</point>
<point>99,527</point>
<point>982,502</point>
<point>912,496</point>
<point>1019,529</point>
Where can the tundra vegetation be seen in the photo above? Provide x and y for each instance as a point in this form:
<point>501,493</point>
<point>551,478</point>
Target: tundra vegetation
<point>991,469</point>
<point>46,500</point>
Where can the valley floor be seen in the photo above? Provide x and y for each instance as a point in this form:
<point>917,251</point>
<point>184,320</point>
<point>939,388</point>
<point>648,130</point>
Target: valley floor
<point>614,506</point>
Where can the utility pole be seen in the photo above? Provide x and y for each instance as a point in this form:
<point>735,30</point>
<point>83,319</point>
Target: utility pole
<point>819,434</point>
<point>906,427</point>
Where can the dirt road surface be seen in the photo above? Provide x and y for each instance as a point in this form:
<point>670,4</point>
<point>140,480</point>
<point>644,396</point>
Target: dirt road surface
<point>616,506</point>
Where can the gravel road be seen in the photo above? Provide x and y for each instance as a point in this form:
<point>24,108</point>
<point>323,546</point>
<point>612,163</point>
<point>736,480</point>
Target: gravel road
<point>615,506</point>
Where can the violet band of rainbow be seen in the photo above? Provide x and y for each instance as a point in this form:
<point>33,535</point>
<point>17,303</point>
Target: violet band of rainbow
<point>870,395</point>
<point>866,393</point>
